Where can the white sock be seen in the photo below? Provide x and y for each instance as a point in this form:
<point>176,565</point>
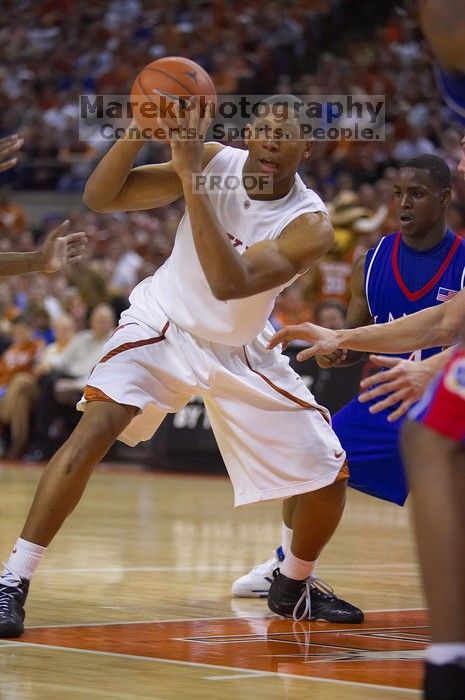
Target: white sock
<point>450,653</point>
<point>296,568</point>
<point>286,539</point>
<point>23,561</point>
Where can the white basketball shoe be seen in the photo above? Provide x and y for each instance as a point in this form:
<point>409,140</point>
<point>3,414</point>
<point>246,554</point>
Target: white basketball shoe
<point>257,582</point>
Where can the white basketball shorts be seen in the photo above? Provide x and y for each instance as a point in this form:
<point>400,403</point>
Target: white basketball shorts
<point>275,440</point>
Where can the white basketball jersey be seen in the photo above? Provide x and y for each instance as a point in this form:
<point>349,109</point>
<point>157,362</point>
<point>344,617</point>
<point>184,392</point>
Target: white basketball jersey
<point>180,286</point>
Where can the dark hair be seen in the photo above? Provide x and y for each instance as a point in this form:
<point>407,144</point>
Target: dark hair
<point>436,167</point>
<point>292,102</point>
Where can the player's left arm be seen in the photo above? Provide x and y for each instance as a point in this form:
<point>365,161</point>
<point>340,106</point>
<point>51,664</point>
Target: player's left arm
<point>266,264</point>
<point>272,263</point>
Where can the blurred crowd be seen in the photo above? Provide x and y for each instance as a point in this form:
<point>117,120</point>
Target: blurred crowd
<point>53,50</point>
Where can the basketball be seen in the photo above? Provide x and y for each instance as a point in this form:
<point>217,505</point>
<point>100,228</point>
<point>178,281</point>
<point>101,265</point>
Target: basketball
<point>160,86</point>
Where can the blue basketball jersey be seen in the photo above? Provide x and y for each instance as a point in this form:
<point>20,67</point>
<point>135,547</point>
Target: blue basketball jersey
<point>398,281</point>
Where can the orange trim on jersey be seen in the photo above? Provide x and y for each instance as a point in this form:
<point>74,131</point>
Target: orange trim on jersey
<point>283,392</point>
<point>135,344</point>
<point>343,472</point>
<point>91,393</point>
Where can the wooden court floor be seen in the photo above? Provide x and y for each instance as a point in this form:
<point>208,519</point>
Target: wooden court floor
<point>133,599</point>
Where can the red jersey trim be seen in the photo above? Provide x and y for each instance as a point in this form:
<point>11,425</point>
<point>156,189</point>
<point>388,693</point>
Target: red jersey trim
<point>414,296</point>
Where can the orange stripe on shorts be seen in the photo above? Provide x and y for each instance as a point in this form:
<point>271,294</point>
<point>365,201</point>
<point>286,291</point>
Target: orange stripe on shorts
<point>91,393</point>
<point>343,472</point>
<point>135,344</point>
<point>283,392</point>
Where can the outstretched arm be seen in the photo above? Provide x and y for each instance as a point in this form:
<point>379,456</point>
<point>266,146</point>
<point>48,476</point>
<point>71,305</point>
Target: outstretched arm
<point>116,186</point>
<point>58,250</point>
<point>438,325</point>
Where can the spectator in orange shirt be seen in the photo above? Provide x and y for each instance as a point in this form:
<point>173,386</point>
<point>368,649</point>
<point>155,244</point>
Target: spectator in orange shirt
<point>16,363</point>
<point>13,218</point>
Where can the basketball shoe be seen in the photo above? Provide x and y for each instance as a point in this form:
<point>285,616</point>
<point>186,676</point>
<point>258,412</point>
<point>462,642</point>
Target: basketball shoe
<point>325,604</point>
<point>310,599</point>
<point>12,599</point>
<point>256,583</point>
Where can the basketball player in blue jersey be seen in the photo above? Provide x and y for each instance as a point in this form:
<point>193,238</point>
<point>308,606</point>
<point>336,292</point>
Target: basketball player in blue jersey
<point>421,265</point>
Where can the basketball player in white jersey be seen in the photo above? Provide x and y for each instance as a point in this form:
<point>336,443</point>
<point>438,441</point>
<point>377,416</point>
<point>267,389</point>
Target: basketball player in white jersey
<point>199,326</point>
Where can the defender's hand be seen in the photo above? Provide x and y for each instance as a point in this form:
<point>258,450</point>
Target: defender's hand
<point>60,249</point>
<point>324,341</point>
<point>403,383</point>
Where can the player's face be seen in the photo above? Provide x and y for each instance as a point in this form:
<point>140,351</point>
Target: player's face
<point>276,147</point>
<point>461,165</point>
<point>419,202</point>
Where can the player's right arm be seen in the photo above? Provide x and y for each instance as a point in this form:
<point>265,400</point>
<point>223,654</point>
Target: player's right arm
<point>358,314</point>
<point>116,186</point>
<point>437,325</point>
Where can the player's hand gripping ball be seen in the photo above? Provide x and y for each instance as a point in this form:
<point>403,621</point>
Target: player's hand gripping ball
<point>165,86</point>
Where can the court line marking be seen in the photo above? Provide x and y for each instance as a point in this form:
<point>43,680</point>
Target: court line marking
<point>124,569</point>
<point>266,615</point>
<point>235,676</point>
<point>206,568</point>
<point>196,664</point>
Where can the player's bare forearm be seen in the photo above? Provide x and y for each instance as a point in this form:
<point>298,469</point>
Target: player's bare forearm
<point>19,263</point>
<point>111,174</point>
<point>424,329</point>
<point>222,265</point>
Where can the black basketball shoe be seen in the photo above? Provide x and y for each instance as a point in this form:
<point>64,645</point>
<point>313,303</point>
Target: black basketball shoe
<point>327,606</point>
<point>310,599</point>
<point>12,599</point>
<point>289,598</point>
<point>446,682</point>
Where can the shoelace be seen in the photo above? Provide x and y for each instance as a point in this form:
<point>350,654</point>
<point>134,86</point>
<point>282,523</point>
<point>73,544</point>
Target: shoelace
<point>304,598</point>
<point>322,586</point>
<point>6,596</point>
<point>311,582</point>
<point>9,579</point>
<point>7,591</point>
